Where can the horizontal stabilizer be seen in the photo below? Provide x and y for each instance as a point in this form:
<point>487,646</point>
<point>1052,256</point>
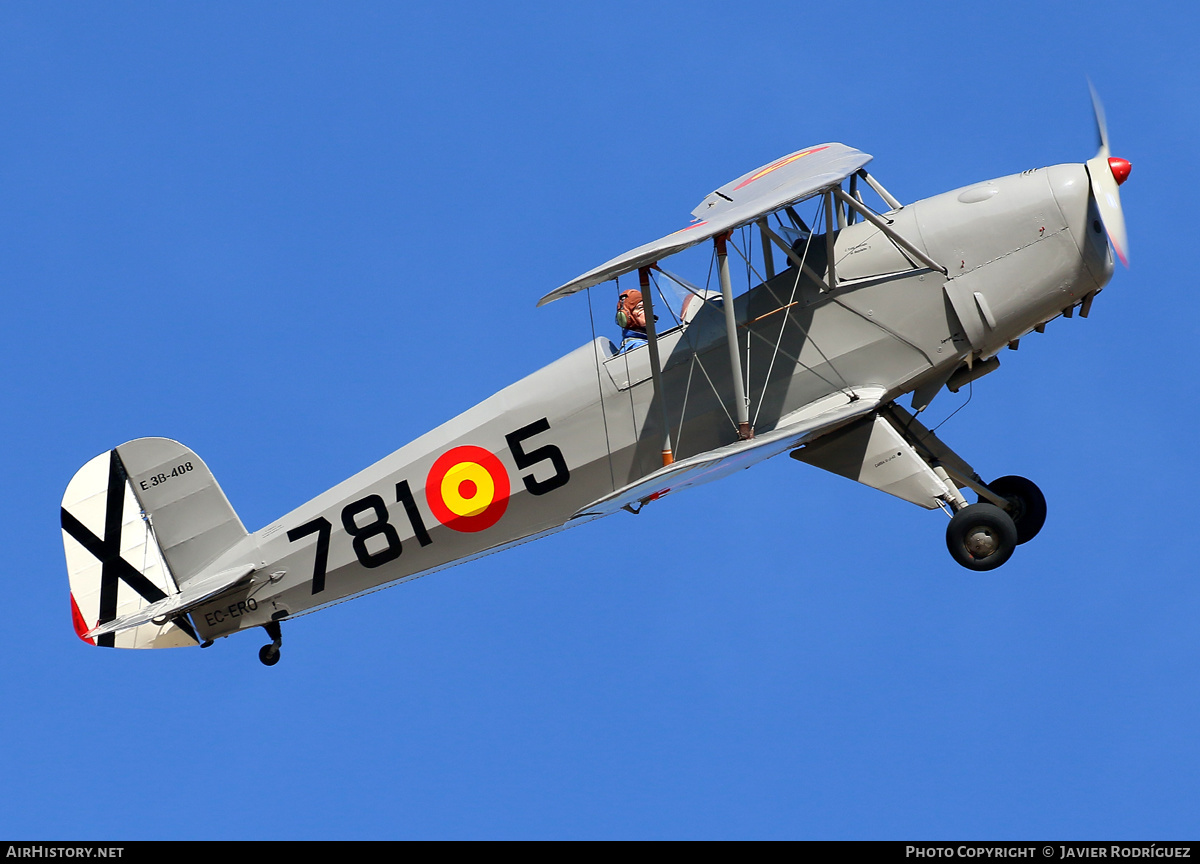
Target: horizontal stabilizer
<point>197,592</point>
<point>793,430</point>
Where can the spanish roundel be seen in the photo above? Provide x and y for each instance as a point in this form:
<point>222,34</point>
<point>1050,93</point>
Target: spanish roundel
<point>467,489</point>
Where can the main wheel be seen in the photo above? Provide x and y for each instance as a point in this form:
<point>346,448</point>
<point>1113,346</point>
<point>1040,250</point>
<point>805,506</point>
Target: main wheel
<point>981,537</point>
<point>268,655</point>
<point>1027,505</point>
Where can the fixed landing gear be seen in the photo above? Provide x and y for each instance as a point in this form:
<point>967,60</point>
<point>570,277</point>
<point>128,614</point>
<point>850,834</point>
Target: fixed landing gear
<point>981,536</point>
<point>1027,505</point>
<point>268,655</point>
<point>984,536</point>
<point>894,452</point>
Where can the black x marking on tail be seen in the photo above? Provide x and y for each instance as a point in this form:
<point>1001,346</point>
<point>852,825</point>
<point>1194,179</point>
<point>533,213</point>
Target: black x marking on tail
<point>114,568</point>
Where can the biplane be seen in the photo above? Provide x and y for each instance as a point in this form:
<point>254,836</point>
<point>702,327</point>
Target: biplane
<point>844,313</point>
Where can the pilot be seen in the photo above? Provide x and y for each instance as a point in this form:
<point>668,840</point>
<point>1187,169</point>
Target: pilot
<point>631,318</point>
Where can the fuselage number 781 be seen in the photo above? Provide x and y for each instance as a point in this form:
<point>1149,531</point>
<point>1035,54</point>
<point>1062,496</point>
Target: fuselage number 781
<point>467,489</point>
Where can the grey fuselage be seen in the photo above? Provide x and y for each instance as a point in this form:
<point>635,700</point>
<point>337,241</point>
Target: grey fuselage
<point>1019,250</point>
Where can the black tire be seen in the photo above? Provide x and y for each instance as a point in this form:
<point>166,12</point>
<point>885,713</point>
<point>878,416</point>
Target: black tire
<point>268,655</point>
<point>981,537</point>
<point>1027,505</point>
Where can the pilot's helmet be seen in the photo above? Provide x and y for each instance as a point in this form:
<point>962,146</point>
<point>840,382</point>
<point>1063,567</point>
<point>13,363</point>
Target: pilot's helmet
<point>627,310</point>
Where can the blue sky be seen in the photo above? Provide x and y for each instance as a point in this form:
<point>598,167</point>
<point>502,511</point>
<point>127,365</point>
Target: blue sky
<point>297,235</point>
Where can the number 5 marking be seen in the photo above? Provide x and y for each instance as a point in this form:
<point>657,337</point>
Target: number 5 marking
<point>546,452</point>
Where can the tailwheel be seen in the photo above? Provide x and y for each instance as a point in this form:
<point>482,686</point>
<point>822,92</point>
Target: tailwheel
<point>1027,505</point>
<point>981,537</point>
<point>268,655</point>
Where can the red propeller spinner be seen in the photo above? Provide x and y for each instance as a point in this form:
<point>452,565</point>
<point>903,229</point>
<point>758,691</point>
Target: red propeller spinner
<point>1120,169</point>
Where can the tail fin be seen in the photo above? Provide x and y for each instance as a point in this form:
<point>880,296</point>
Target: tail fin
<point>138,523</point>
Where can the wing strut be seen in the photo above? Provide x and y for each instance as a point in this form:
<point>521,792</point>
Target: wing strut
<point>768,258</point>
<point>655,365</point>
<point>790,253</point>
<point>745,432</point>
<point>879,190</point>
<point>831,273</point>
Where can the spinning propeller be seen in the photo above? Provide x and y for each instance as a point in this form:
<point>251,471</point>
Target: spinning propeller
<point>1107,173</point>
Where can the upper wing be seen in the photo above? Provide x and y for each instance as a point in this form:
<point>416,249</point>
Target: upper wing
<point>793,430</point>
<point>785,181</point>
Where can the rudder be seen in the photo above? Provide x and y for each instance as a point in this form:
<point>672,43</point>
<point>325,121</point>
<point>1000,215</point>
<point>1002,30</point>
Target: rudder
<point>138,523</point>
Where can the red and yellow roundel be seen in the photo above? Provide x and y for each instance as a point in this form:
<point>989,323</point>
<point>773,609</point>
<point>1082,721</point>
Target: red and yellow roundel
<point>467,489</point>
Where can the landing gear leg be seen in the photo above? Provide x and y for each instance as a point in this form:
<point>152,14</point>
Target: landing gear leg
<point>893,452</point>
<point>980,536</point>
<point>268,655</point>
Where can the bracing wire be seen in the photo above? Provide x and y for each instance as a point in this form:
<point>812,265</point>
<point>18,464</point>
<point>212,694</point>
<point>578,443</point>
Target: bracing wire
<point>783,326</point>
<point>703,298</point>
<point>683,413</point>
<point>750,273</point>
<point>845,386</point>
